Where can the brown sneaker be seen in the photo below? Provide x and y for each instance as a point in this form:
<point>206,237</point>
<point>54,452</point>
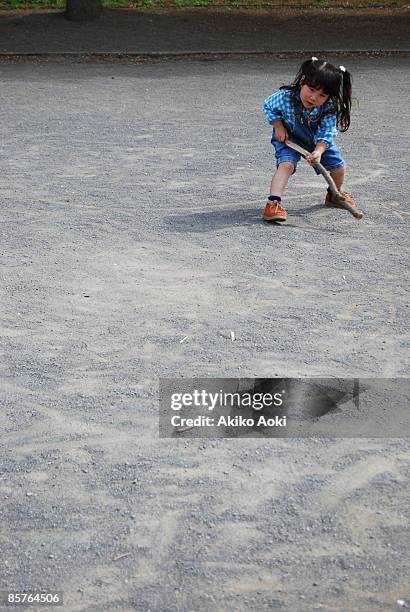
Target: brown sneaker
<point>274,212</point>
<point>331,201</point>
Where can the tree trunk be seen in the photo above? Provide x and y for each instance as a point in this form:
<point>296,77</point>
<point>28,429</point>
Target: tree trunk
<point>83,10</point>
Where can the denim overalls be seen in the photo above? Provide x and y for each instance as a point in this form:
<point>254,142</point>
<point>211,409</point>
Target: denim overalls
<point>303,134</point>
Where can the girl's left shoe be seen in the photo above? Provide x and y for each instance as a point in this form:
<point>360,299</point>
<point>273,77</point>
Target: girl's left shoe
<point>330,200</point>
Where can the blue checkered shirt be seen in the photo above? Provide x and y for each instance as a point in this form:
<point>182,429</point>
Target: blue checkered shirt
<point>279,106</point>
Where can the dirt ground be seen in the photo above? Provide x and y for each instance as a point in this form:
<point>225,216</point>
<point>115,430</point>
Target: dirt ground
<point>131,200</point>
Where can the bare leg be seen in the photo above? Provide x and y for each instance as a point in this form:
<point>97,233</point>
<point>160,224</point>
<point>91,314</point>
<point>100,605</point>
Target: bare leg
<point>280,178</point>
<point>338,177</point>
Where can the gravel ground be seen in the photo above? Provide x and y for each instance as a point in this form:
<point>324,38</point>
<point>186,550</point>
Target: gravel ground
<point>131,199</point>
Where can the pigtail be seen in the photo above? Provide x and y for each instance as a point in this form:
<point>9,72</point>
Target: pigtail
<point>345,100</point>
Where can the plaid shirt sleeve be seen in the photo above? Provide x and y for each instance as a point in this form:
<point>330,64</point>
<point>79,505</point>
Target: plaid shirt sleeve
<point>326,130</point>
<point>275,106</point>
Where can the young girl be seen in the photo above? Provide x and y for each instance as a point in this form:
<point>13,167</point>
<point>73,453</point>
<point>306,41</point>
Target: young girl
<point>308,112</point>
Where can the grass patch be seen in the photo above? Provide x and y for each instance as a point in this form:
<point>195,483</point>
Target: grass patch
<point>148,4</point>
<point>27,4</point>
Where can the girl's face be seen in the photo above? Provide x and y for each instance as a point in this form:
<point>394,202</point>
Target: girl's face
<point>311,97</point>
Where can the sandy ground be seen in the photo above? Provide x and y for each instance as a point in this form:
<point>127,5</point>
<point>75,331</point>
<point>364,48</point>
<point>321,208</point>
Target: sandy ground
<point>131,201</point>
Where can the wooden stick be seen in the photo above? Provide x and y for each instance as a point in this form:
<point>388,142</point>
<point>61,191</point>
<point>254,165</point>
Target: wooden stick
<point>332,186</point>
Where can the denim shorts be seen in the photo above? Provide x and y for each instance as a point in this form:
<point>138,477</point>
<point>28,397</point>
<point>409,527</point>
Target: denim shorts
<point>302,135</point>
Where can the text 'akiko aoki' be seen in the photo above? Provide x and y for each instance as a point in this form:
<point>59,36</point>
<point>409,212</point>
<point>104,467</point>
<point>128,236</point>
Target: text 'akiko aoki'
<point>261,421</point>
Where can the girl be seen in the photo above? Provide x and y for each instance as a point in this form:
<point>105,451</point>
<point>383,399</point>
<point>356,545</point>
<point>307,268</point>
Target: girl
<point>308,112</point>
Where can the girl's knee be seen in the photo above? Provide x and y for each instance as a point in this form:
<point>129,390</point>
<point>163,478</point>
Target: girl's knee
<point>340,170</point>
<point>289,166</point>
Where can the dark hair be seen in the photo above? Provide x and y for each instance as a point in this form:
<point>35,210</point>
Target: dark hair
<point>335,82</point>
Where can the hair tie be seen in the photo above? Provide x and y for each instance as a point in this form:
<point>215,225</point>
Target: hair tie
<point>343,70</point>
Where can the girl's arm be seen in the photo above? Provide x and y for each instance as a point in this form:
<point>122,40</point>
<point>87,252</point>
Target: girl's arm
<point>274,106</point>
<point>280,131</point>
<point>326,131</point>
<point>323,138</point>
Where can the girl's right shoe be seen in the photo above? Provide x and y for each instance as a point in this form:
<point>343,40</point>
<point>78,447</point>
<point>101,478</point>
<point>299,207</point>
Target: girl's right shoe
<point>274,212</point>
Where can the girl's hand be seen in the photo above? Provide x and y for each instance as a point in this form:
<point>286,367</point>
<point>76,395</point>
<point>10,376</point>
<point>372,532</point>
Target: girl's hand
<point>280,133</point>
<point>314,156</point>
